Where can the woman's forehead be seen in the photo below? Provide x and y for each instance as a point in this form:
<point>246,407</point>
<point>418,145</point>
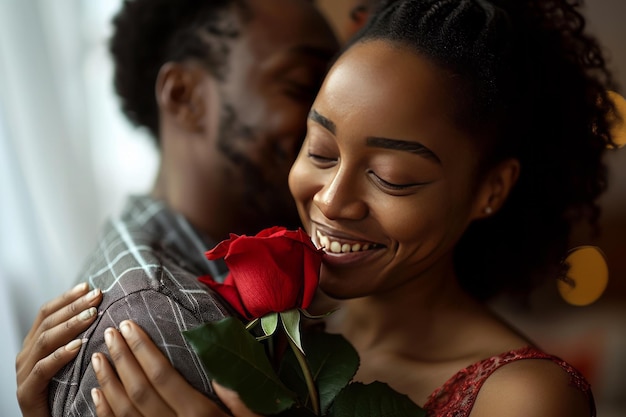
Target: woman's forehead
<point>376,78</point>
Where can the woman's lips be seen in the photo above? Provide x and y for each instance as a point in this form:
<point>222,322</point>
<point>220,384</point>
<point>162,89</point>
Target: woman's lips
<point>343,251</point>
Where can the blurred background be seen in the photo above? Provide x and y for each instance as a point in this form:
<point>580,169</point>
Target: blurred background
<point>68,158</point>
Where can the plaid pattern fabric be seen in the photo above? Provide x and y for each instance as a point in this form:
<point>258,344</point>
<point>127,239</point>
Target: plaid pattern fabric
<point>147,263</point>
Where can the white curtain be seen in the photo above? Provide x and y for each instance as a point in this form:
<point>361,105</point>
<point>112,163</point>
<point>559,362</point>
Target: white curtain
<point>67,157</point>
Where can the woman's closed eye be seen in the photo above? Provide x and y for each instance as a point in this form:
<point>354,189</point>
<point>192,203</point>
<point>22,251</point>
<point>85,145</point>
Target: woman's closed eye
<point>390,186</point>
<point>322,161</point>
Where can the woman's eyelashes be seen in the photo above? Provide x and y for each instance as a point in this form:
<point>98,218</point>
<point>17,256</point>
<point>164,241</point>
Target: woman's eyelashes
<point>390,186</point>
<point>321,161</point>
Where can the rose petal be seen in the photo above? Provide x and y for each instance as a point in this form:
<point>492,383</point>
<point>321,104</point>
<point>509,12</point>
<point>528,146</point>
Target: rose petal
<point>275,271</point>
<point>230,294</point>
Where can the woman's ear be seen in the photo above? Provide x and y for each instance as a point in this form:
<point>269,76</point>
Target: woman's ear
<point>180,96</point>
<point>496,187</point>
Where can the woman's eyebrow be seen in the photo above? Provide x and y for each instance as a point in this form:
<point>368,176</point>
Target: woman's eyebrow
<point>402,145</point>
<point>380,142</point>
<point>323,121</point>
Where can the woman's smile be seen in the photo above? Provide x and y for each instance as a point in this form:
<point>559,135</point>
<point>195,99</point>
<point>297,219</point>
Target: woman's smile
<point>343,249</point>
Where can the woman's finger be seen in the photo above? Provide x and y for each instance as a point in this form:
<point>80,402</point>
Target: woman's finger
<point>64,319</point>
<point>112,390</point>
<point>31,357</point>
<point>103,409</point>
<point>48,345</point>
<point>136,385</point>
<point>231,399</point>
<point>55,305</point>
<point>56,330</point>
<point>32,392</point>
<point>168,382</point>
<point>46,368</point>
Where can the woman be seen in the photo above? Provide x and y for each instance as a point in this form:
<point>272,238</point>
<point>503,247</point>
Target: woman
<point>449,151</point>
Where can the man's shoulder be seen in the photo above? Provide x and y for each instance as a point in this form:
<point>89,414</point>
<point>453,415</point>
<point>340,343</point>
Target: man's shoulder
<point>130,259</point>
<point>124,249</point>
<point>148,243</point>
<point>162,313</point>
<point>153,274</point>
<point>143,283</point>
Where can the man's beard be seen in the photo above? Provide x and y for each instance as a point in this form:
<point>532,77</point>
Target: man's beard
<point>265,196</point>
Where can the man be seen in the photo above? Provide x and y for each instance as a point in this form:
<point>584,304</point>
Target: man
<point>224,87</point>
<point>348,16</point>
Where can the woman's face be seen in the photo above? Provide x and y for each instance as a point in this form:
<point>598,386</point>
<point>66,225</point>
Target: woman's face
<point>384,181</point>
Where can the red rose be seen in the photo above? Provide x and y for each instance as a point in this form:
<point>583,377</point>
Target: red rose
<point>275,271</point>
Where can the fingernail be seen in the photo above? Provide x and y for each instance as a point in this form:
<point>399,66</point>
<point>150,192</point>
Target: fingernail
<point>93,294</point>
<point>125,329</point>
<point>95,396</point>
<point>87,314</point>
<point>95,362</point>
<point>74,344</point>
<point>80,287</point>
<point>108,336</point>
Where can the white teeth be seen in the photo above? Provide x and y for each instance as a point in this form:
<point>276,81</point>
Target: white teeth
<point>336,247</point>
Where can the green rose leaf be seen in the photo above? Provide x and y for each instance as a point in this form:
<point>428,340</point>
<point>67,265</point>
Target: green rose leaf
<point>374,400</point>
<point>291,324</point>
<point>236,360</point>
<point>333,362</point>
<point>269,323</point>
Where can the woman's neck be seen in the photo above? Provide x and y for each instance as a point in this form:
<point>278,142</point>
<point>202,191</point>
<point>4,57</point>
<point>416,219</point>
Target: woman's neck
<point>425,319</point>
<point>376,320</point>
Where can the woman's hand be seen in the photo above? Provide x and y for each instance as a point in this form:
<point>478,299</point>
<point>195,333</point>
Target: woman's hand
<point>147,384</point>
<point>46,349</point>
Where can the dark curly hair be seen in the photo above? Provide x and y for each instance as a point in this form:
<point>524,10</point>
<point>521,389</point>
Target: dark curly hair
<point>531,84</point>
<point>149,33</point>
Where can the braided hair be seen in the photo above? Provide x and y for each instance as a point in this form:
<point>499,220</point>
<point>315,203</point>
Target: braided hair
<point>529,83</point>
<point>149,33</point>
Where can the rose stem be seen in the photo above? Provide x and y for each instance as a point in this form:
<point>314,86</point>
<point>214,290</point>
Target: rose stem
<point>307,376</point>
<point>252,323</point>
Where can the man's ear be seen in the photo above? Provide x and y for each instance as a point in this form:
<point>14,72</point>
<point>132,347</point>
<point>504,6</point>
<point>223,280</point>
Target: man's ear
<point>496,187</point>
<point>359,13</point>
<point>179,94</point>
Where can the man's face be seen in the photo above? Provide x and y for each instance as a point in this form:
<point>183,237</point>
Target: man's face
<point>275,69</point>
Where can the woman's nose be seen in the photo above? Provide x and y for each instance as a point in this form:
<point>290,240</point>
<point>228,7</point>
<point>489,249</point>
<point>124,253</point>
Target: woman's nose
<point>341,198</point>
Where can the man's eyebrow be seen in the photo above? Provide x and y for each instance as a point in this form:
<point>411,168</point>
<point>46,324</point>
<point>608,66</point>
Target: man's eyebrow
<point>402,145</point>
<point>326,123</point>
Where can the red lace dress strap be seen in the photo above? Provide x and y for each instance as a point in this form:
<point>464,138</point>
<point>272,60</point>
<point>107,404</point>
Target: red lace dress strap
<point>457,396</point>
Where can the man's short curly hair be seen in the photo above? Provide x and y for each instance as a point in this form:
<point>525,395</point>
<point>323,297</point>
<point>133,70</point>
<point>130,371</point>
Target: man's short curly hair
<point>531,84</point>
<point>149,33</point>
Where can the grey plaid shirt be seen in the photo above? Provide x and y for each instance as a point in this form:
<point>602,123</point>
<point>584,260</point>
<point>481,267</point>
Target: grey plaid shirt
<point>147,263</point>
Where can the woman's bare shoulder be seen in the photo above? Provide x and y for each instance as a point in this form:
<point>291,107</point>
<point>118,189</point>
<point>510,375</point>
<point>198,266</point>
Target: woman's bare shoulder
<point>529,388</point>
